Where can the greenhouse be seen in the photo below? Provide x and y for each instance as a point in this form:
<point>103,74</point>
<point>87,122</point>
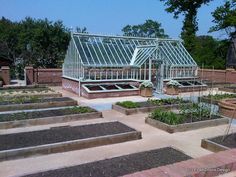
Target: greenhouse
<point>102,58</point>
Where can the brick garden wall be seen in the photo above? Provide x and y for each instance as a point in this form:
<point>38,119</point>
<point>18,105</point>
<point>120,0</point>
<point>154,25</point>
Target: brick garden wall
<point>5,75</point>
<point>49,76</point>
<point>218,76</point>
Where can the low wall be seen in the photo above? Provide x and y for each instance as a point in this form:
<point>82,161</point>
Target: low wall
<point>76,87</point>
<point>218,76</point>
<point>49,76</point>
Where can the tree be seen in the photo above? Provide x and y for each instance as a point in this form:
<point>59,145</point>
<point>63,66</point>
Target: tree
<point>148,29</point>
<point>41,43</point>
<point>225,18</point>
<point>189,9</point>
<point>209,52</point>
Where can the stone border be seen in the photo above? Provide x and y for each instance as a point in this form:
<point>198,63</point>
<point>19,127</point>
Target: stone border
<point>50,120</point>
<point>141,109</point>
<point>186,126</point>
<point>69,145</point>
<point>37,105</point>
<point>213,146</point>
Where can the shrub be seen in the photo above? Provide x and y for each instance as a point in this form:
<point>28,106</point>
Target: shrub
<point>1,79</point>
<point>146,84</point>
<point>128,104</point>
<point>173,83</point>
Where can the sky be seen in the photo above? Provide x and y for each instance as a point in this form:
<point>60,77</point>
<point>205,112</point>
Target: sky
<point>106,16</point>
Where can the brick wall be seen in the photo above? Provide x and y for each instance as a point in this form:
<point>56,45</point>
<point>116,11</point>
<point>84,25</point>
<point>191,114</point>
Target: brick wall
<point>49,76</point>
<point>5,75</point>
<point>218,76</point>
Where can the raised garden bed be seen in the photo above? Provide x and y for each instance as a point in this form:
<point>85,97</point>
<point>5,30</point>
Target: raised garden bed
<point>129,107</point>
<point>61,139</point>
<point>35,103</point>
<point>189,118</point>
<point>214,99</point>
<point>22,119</point>
<point>28,91</point>
<point>228,89</point>
<point>120,166</point>
<point>216,144</point>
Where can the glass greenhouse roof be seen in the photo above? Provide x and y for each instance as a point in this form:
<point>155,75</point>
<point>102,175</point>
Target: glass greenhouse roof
<point>121,51</point>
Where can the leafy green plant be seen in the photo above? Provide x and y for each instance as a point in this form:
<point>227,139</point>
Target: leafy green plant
<point>168,117</point>
<point>173,83</point>
<point>79,109</point>
<point>128,104</point>
<point>146,84</point>
<point>166,101</point>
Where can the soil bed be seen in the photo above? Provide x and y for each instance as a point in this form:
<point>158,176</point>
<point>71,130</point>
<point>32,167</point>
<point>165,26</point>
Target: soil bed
<point>35,103</point>
<point>60,134</point>
<point>188,124</point>
<point>44,113</point>
<point>216,144</point>
<point>119,166</point>
<point>229,141</point>
<point>26,100</point>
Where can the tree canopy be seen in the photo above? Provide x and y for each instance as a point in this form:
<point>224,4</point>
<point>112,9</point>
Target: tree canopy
<point>41,43</point>
<point>148,29</point>
<point>189,9</point>
<point>225,18</point>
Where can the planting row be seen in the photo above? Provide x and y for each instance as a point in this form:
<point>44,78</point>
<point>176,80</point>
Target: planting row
<point>28,90</point>
<point>129,107</point>
<point>33,102</point>
<point>61,139</point>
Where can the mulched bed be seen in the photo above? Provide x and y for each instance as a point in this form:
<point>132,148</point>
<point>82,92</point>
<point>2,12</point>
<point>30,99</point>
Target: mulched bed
<point>125,86</point>
<point>41,114</point>
<point>119,166</point>
<point>110,87</point>
<point>61,134</point>
<point>229,141</point>
<point>26,100</point>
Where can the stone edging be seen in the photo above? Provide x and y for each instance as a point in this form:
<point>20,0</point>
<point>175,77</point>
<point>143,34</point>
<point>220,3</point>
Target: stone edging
<point>186,126</point>
<point>49,120</point>
<point>37,105</point>
<point>69,145</point>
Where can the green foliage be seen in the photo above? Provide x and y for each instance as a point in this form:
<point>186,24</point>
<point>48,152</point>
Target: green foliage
<point>189,10</point>
<point>128,104</point>
<point>79,109</point>
<point>166,101</point>
<point>168,117</point>
<point>209,52</point>
<point>148,29</point>
<point>40,43</point>
<point>225,18</point>
<point>195,112</point>
<point>146,84</point>
<point>221,96</point>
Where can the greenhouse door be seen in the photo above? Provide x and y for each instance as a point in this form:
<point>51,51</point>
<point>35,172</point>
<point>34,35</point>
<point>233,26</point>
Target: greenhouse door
<point>159,77</point>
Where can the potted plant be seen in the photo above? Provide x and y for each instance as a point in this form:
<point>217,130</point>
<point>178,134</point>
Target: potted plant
<point>1,81</point>
<point>146,88</point>
<point>172,87</point>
